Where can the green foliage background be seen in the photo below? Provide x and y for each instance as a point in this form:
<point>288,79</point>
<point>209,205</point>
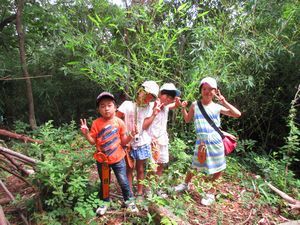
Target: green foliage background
<point>87,46</point>
<point>251,47</point>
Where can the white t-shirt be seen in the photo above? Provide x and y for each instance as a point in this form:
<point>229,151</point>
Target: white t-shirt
<point>129,108</point>
<point>158,127</point>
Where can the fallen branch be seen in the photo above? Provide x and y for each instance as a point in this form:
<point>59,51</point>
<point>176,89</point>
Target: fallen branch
<point>19,166</point>
<point>15,174</point>
<point>18,136</point>
<point>116,195</point>
<point>2,217</point>
<point>294,222</point>
<point>293,203</point>
<point>161,212</point>
<point>17,155</point>
<point>13,198</point>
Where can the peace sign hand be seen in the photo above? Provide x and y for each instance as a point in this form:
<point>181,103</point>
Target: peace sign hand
<point>157,107</point>
<point>219,96</point>
<point>84,128</point>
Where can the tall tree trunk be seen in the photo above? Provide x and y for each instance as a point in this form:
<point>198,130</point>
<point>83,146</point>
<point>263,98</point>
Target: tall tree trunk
<point>126,39</point>
<point>19,27</point>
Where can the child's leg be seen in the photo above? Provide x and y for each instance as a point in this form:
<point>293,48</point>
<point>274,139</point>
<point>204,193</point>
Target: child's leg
<point>119,169</point>
<point>216,175</point>
<point>163,159</point>
<point>140,164</point>
<point>160,169</point>
<point>188,177</point>
<point>129,174</point>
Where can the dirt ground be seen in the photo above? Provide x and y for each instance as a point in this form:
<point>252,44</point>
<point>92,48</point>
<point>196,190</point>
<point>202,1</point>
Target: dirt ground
<point>231,206</point>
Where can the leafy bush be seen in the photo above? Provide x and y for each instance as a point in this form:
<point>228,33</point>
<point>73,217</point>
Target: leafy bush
<point>62,175</point>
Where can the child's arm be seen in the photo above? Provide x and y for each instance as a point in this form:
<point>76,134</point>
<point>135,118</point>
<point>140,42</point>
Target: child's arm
<point>125,136</point>
<point>156,109</point>
<point>85,131</point>
<point>188,116</point>
<point>175,104</point>
<point>229,109</point>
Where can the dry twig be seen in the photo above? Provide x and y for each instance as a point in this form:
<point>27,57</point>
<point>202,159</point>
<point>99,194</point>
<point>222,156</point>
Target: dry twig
<point>249,217</point>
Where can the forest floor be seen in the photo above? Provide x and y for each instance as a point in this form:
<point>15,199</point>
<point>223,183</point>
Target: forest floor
<point>234,205</point>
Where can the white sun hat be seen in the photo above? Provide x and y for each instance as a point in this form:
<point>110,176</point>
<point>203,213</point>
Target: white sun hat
<point>170,87</point>
<point>210,81</point>
<point>151,87</point>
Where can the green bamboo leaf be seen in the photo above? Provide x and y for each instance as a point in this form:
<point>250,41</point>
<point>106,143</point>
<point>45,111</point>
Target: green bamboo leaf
<point>73,63</point>
<point>202,14</point>
<point>131,29</point>
<point>94,20</point>
<point>183,6</point>
<point>98,18</point>
<point>113,25</point>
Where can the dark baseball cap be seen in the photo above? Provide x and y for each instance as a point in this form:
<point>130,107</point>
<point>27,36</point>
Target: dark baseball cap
<point>104,95</point>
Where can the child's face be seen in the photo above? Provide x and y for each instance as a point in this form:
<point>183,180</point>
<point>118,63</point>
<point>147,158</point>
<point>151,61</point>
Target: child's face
<point>166,99</point>
<point>149,98</point>
<point>207,91</point>
<point>107,108</point>
<point>145,97</point>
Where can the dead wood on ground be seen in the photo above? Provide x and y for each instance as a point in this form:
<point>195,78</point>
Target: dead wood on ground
<point>19,136</point>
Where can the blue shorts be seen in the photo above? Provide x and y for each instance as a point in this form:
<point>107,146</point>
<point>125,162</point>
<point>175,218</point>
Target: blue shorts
<point>141,152</point>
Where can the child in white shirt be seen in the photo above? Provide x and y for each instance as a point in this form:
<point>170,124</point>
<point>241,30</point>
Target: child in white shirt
<point>156,123</point>
<point>134,114</point>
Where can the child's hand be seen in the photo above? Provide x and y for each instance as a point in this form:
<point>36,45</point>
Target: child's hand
<point>157,107</point>
<point>219,96</point>
<point>84,128</point>
<point>184,104</point>
<point>230,135</point>
<point>177,102</point>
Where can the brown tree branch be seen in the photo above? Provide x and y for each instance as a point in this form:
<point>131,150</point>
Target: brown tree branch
<point>19,166</point>
<point>18,136</point>
<point>15,174</point>
<point>17,155</point>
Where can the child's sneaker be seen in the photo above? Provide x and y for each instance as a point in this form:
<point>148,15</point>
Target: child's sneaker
<point>148,193</point>
<point>102,210</point>
<point>131,207</point>
<point>181,187</point>
<point>162,194</point>
<point>208,199</point>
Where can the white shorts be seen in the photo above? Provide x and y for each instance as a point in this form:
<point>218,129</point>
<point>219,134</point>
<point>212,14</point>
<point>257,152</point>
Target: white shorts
<point>164,154</point>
